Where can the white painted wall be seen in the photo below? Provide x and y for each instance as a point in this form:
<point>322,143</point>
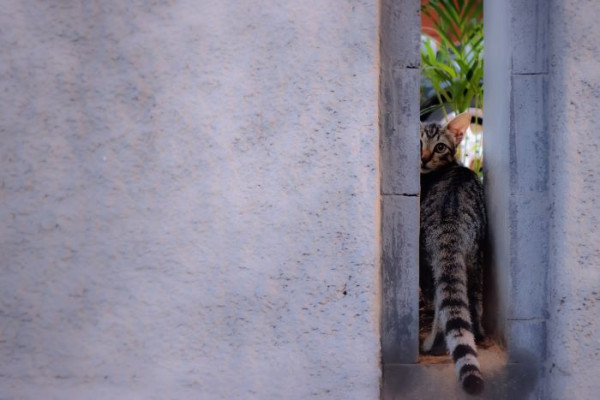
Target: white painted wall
<point>574,275</point>
<point>190,200</point>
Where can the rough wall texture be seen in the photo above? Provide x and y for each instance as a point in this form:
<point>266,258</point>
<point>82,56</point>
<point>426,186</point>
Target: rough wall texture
<point>189,200</point>
<point>574,297</point>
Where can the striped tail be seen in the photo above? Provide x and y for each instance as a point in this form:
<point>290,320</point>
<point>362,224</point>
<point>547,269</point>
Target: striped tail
<point>455,320</point>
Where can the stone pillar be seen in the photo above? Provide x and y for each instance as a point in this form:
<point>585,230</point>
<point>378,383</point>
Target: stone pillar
<point>399,120</point>
<point>516,149</point>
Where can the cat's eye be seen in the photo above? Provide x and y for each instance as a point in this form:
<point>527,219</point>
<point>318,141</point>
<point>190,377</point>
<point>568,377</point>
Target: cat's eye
<point>440,147</point>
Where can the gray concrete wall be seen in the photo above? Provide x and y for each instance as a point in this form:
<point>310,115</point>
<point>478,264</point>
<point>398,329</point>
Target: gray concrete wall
<point>541,117</point>
<point>574,271</point>
<point>190,200</point>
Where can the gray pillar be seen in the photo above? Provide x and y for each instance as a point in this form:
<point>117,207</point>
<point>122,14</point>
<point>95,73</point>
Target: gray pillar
<point>516,177</point>
<point>399,119</point>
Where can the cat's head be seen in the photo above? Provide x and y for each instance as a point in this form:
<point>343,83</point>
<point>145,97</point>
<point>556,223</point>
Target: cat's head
<point>440,142</point>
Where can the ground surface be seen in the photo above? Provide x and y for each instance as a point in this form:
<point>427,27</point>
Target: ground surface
<point>434,377</point>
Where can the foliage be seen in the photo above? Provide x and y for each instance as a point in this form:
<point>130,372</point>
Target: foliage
<point>454,70</point>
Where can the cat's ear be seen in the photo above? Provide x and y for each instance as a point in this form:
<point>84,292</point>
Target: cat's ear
<point>459,125</point>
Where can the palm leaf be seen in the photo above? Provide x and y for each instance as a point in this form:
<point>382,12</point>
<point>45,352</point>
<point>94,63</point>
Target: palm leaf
<point>455,70</point>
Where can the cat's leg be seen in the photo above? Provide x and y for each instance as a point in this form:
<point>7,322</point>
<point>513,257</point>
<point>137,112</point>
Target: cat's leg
<point>426,279</point>
<point>476,299</point>
<point>435,330</point>
<point>435,343</point>
<point>476,309</point>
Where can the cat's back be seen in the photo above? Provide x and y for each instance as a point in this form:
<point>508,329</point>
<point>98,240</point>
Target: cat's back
<point>453,195</point>
<point>455,178</point>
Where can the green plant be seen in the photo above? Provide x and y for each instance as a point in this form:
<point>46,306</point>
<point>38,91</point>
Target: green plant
<point>454,70</point>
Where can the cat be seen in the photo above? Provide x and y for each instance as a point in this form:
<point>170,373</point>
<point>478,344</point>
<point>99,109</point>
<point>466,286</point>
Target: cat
<point>453,226</point>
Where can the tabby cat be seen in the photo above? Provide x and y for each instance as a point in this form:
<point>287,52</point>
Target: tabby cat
<point>453,226</point>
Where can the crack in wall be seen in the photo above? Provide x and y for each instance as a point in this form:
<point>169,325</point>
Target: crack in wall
<point>401,194</point>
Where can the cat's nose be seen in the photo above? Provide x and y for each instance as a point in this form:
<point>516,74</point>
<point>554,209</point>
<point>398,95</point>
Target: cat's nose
<point>425,157</point>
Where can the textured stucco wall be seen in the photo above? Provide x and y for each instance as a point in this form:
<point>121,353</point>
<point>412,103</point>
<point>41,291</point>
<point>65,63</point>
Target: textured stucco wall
<point>574,278</point>
<point>190,200</point>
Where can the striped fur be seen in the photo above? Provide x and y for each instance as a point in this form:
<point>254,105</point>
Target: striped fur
<point>453,225</point>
